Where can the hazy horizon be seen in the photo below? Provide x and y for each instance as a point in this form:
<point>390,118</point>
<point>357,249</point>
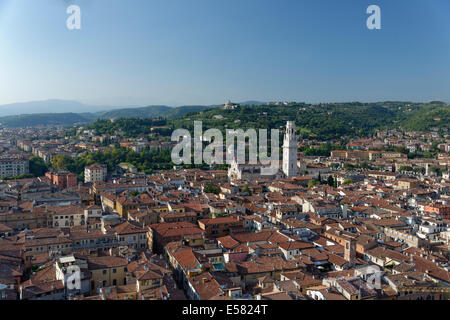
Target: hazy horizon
<point>204,52</point>
<point>88,108</point>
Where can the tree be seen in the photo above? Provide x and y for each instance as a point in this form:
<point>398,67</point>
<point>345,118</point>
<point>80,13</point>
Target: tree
<point>349,167</point>
<point>436,170</point>
<point>22,176</point>
<point>60,162</point>
<point>38,167</point>
<point>347,182</point>
<point>313,183</point>
<point>330,181</point>
<point>246,189</point>
<point>210,188</point>
<point>419,170</point>
<point>222,166</point>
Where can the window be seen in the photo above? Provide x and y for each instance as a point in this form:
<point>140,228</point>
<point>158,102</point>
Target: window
<point>114,271</point>
<point>104,271</point>
<point>114,282</point>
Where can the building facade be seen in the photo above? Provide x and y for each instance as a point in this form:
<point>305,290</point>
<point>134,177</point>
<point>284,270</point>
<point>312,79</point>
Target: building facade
<point>13,167</point>
<point>95,173</point>
<point>290,151</point>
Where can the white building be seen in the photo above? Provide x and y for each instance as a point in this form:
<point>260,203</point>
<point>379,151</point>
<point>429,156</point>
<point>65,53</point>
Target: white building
<point>430,230</point>
<point>68,216</point>
<point>10,167</point>
<point>95,173</point>
<point>249,172</point>
<point>290,147</point>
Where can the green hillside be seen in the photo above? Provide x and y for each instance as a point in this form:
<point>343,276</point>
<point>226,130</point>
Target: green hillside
<point>323,121</point>
<point>327,121</point>
<point>43,119</point>
<point>145,112</point>
<point>181,111</point>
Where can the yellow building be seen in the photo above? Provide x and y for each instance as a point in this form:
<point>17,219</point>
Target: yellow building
<point>107,271</point>
<point>405,184</point>
<point>148,280</point>
<point>125,204</point>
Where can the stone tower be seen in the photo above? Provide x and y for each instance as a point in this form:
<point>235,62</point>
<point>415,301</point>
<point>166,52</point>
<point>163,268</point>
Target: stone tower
<point>290,146</point>
<point>350,251</point>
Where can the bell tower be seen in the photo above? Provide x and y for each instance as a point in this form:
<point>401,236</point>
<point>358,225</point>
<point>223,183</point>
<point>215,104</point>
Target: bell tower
<point>290,146</point>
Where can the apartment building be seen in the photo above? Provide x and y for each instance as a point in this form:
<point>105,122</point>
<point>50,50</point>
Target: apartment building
<point>10,167</point>
<point>95,173</point>
<point>62,179</point>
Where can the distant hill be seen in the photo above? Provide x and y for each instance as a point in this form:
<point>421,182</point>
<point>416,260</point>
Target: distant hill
<point>50,106</point>
<point>327,121</point>
<point>151,112</point>
<point>145,112</point>
<point>184,110</point>
<point>252,103</point>
<point>103,111</point>
<point>70,118</point>
<point>43,119</point>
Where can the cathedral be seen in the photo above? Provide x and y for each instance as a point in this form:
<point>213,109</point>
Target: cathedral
<point>252,172</point>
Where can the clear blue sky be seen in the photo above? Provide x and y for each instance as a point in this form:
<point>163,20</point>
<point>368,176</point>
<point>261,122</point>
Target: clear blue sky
<point>207,51</point>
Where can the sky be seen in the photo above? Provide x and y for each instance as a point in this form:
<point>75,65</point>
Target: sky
<point>185,52</point>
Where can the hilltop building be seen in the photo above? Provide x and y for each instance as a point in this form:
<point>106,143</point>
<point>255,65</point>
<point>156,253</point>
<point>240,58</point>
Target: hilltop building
<point>230,106</point>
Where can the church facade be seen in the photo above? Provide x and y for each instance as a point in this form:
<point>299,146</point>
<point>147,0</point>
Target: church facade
<point>251,172</point>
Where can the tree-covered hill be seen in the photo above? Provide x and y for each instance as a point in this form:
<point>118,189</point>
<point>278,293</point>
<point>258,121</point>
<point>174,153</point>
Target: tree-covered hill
<point>323,121</point>
<point>181,111</point>
<point>69,119</point>
<point>128,126</point>
<point>422,119</point>
<point>326,121</point>
<point>145,112</point>
<point>43,119</point>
